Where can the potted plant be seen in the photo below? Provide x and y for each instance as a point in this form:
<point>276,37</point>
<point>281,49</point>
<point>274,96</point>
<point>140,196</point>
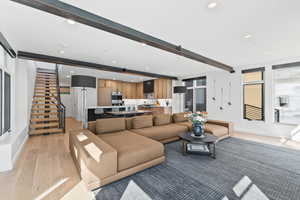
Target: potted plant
<point>198,120</point>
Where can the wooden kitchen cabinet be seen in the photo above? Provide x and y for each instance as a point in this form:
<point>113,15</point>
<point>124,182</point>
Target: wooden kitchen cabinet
<point>129,90</point>
<point>163,88</point>
<point>104,96</point>
<point>140,90</point>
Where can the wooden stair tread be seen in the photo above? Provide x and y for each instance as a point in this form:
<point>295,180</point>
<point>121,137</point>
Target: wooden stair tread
<point>45,88</point>
<point>43,109</point>
<point>43,93</point>
<point>44,104</point>
<point>43,131</point>
<point>44,114</point>
<point>43,96</point>
<point>44,119</point>
<point>41,101</point>
<point>43,125</point>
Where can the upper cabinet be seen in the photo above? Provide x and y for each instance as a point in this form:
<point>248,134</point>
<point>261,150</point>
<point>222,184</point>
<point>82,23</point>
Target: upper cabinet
<point>162,88</point>
<point>140,90</point>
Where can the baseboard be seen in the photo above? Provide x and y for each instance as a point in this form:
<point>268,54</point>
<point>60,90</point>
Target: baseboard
<point>18,152</point>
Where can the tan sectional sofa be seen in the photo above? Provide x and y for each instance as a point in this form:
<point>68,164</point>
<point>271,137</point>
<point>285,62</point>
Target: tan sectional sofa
<point>111,149</point>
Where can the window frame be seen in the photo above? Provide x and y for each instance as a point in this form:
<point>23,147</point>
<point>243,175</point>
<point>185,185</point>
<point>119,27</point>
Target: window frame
<point>262,83</point>
<point>4,128</point>
<point>194,87</point>
<point>1,102</point>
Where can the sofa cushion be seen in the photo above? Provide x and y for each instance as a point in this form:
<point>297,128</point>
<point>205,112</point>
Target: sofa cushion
<point>128,122</point>
<point>110,125</point>
<point>142,121</point>
<point>133,149</point>
<point>162,132</point>
<point>216,130</point>
<point>162,119</point>
<point>187,124</point>
<point>179,117</point>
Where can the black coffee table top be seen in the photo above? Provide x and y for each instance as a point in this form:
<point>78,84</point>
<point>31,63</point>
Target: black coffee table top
<point>209,138</point>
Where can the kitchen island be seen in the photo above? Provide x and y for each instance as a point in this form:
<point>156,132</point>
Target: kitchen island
<point>99,112</point>
<point>156,109</point>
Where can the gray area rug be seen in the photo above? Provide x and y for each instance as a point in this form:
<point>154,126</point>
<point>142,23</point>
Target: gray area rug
<point>243,170</point>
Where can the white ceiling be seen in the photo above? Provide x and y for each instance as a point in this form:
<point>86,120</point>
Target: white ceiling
<point>216,33</point>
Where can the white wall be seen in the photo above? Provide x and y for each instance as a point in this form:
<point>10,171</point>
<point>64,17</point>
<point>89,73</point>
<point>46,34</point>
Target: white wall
<point>22,87</point>
<point>234,112</point>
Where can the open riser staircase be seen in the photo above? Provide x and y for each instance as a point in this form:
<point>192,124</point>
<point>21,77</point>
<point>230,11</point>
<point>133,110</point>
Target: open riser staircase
<point>47,112</point>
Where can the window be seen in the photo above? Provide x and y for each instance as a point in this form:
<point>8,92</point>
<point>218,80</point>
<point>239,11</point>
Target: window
<point>253,89</point>
<point>1,102</point>
<point>7,99</point>
<point>195,96</point>
<point>287,94</point>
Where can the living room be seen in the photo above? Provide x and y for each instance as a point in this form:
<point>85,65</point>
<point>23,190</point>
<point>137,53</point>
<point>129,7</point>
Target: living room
<point>110,100</point>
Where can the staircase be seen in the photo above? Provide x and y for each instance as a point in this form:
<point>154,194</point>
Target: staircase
<point>47,112</point>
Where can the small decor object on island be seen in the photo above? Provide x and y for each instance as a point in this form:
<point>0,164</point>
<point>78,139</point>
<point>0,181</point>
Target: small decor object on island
<point>198,119</point>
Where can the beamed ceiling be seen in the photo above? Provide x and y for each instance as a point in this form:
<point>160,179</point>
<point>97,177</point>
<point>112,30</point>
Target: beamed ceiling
<point>215,33</point>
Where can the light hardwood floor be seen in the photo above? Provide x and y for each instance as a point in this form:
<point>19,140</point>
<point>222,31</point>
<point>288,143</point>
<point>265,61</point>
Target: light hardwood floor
<point>45,169</point>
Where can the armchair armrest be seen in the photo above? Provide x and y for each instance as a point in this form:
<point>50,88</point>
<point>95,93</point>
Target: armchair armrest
<point>94,158</point>
<point>226,124</point>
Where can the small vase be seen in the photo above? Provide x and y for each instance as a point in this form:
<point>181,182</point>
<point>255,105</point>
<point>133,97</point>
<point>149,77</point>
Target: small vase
<point>198,129</point>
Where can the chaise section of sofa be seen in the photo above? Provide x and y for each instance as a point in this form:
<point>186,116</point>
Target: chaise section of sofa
<point>112,152</point>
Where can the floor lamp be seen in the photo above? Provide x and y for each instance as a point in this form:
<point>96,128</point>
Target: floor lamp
<point>83,82</point>
<point>179,90</point>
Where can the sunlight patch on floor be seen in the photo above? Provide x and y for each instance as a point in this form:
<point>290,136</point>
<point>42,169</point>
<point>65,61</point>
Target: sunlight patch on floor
<point>134,192</point>
<point>51,189</point>
<point>248,190</point>
<point>94,151</point>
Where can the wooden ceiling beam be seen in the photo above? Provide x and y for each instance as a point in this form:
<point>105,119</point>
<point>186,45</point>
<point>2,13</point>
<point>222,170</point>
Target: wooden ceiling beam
<point>83,64</point>
<point>68,11</point>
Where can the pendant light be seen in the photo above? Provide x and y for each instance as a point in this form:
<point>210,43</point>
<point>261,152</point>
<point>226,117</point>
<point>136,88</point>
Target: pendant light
<point>214,97</point>
<point>221,106</point>
<point>229,94</point>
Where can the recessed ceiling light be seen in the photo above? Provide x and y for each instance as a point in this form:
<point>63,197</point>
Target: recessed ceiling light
<point>212,5</point>
<point>70,21</point>
<point>68,76</point>
<point>247,36</point>
<point>61,51</point>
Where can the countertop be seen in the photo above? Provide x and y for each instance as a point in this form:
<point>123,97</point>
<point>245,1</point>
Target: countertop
<point>129,112</point>
<point>155,106</point>
<point>94,107</point>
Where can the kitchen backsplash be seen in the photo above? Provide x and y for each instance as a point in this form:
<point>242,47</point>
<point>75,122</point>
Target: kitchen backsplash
<point>162,102</point>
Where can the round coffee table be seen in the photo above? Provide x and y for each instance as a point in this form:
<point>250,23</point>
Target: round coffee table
<point>208,144</point>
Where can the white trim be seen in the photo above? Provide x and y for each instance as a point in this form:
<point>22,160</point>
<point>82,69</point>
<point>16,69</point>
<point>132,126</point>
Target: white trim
<point>17,154</point>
